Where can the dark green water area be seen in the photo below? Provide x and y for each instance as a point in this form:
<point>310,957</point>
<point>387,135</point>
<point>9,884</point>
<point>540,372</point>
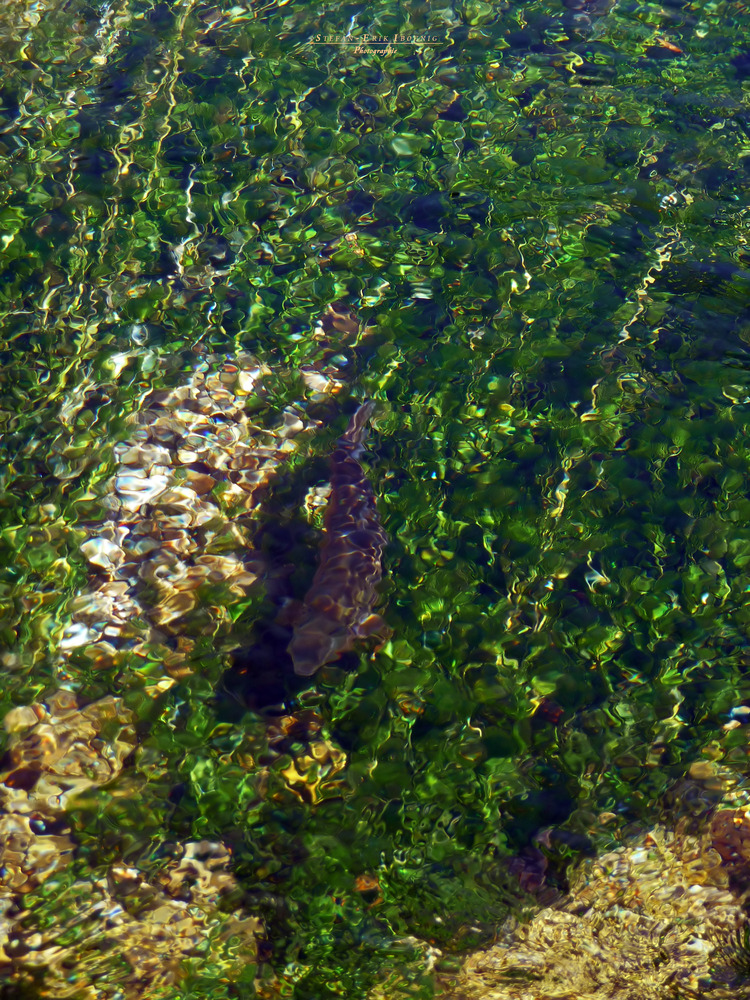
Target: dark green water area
<point>539,211</point>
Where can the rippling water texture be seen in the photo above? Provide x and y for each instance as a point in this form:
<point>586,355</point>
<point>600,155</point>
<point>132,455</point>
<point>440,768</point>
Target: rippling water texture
<point>524,236</point>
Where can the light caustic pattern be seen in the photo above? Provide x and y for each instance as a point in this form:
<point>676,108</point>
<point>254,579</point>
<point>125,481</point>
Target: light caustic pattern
<point>167,529</point>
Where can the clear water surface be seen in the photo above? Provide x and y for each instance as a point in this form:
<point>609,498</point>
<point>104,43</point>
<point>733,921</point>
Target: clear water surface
<point>533,220</point>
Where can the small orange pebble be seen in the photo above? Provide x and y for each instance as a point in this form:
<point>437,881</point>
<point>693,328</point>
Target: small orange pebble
<point>549,710</point>
<point>369,883</point>
<point>411,706</point>
<point>666,44</point>
<point>363,883</point>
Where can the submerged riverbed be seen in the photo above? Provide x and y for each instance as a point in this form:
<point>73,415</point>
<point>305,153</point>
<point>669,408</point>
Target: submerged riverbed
<point>521,229</point>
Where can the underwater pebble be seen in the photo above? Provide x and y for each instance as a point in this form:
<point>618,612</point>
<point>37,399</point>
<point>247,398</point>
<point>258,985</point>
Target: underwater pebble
<point>103,553</point>
<point>77,634</point>
<point>135,491</point>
